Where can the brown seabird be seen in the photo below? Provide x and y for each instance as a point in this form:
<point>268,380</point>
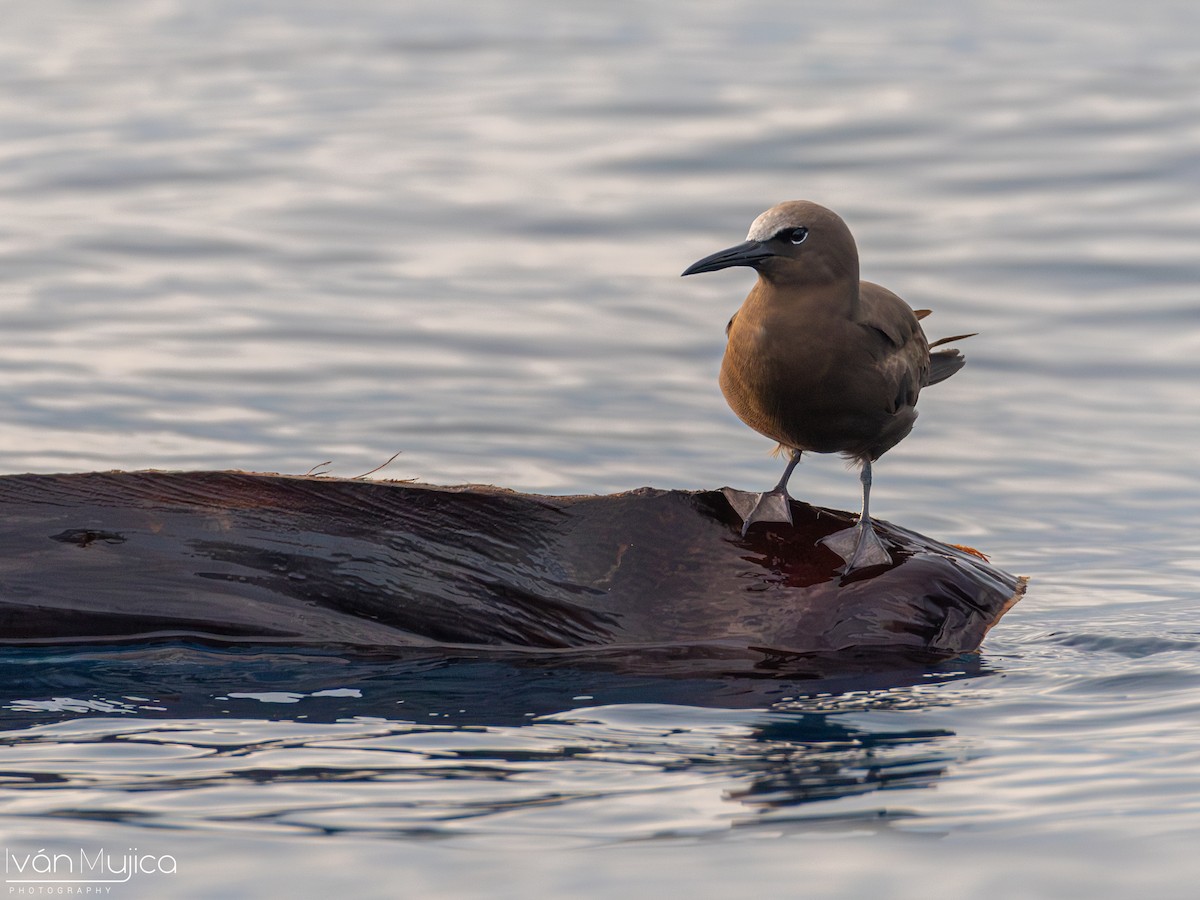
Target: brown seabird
<point>821,361</point>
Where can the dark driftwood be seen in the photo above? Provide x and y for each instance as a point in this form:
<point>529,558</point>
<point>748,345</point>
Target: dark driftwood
<point>236,557</point>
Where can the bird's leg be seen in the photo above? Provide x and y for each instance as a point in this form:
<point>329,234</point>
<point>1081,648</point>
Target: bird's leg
<point>772,506</point>
<point>859,546</point>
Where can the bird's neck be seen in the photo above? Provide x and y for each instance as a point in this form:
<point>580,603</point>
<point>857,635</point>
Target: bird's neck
<point>807,298</point>
<point>823,270</point>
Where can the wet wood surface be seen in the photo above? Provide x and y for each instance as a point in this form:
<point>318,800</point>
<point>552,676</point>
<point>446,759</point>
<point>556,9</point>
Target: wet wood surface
<point>237,557</point>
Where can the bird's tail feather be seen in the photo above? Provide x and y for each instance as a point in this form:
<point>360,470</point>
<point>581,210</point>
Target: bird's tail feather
<point>945,363</point>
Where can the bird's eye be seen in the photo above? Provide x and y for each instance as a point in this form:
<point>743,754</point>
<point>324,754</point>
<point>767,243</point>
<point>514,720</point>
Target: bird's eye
<point>796,235</point>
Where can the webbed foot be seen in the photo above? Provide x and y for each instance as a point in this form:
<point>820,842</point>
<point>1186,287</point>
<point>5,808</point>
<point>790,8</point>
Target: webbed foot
<point>859,546</point>
<point>772,506</point>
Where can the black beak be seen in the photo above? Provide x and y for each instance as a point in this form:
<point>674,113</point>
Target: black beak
<point>750,253</point>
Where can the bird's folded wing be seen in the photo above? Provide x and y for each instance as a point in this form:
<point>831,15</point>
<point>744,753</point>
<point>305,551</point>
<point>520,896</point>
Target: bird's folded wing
<point>882,310</point>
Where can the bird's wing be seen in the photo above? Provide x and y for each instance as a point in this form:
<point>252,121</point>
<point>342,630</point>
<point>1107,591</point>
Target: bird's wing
<point>882,310</point>
<point>904,362</point>
<point>951,339</point>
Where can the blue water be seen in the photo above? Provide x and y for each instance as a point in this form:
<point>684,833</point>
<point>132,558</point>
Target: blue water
<point>270,235</point>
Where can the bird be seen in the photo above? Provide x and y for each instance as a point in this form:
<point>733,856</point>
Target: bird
<point>819,361</point>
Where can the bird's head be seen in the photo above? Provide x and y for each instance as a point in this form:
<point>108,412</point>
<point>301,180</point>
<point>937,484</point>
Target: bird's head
<point>796,241</point>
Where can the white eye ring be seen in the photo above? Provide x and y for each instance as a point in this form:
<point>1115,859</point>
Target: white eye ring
<point>797,235</point>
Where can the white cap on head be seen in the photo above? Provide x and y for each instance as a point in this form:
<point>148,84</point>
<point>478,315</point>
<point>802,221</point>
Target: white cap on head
<point>770,223</point>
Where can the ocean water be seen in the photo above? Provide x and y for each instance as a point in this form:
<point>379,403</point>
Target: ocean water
<point>305,236</point>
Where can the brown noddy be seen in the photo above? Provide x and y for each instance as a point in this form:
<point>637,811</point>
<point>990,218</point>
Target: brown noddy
<point>818,360</point>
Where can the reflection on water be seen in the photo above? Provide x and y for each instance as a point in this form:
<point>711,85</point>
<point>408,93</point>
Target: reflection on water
<point>432,746</point>
<point>184,681</point>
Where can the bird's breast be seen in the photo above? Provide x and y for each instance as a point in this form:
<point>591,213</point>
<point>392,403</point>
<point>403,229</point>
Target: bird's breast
<point>817,383</point>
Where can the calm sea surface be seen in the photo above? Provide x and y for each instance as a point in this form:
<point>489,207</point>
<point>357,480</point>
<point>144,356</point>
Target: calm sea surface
<point>269,235</point>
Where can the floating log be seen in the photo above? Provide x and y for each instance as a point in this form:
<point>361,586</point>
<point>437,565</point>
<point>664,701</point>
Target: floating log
<point>245,558</point>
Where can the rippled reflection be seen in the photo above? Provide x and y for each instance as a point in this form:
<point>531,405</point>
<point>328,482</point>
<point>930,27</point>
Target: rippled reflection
<point>437,746</point>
